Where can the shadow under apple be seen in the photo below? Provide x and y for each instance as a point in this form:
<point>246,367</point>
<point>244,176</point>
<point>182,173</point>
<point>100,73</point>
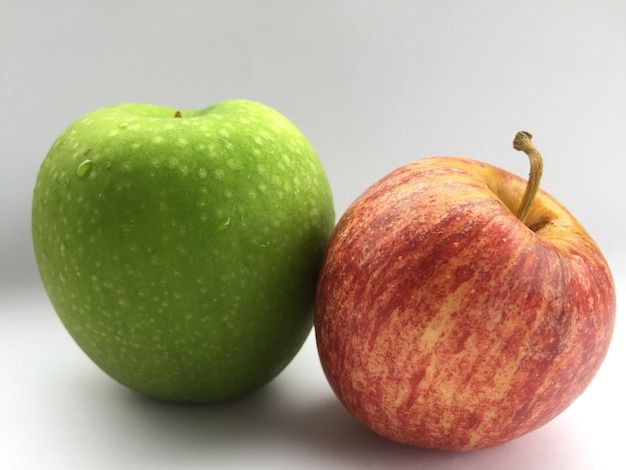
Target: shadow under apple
<point>271,423</point>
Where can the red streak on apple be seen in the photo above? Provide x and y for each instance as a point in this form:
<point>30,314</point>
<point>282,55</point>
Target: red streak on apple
<point>443,321</point>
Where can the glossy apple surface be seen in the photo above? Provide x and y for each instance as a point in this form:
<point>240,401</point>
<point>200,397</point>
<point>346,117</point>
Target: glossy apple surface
<point>181,248</point>
<point>443,321</point>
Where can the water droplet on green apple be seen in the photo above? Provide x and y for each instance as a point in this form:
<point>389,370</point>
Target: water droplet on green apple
<point>84,168</point>
<point>223,225</point>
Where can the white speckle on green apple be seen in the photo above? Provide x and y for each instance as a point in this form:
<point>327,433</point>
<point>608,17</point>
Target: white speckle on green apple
<point>181,248</point>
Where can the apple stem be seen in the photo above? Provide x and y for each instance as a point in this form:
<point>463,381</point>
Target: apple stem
<point>523,142</point>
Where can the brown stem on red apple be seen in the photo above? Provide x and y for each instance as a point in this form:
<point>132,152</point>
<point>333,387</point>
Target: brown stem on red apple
<point>523,142</point>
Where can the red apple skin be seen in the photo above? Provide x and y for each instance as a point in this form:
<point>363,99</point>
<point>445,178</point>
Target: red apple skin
<point>443,321</point>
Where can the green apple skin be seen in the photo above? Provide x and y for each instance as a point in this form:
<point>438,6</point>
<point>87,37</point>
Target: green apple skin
<point>181,249</point>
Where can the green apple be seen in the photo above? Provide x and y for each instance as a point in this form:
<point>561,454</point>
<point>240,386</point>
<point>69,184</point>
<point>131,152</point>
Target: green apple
<point>181,249</point>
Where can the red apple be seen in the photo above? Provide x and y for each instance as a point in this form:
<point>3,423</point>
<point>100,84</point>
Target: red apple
<point>444,321</point>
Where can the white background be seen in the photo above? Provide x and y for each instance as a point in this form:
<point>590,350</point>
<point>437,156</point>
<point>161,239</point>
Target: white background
<point>373,85</point>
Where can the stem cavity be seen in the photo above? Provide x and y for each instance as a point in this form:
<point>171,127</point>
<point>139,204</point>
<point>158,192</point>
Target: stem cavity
<point>523,142</point>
